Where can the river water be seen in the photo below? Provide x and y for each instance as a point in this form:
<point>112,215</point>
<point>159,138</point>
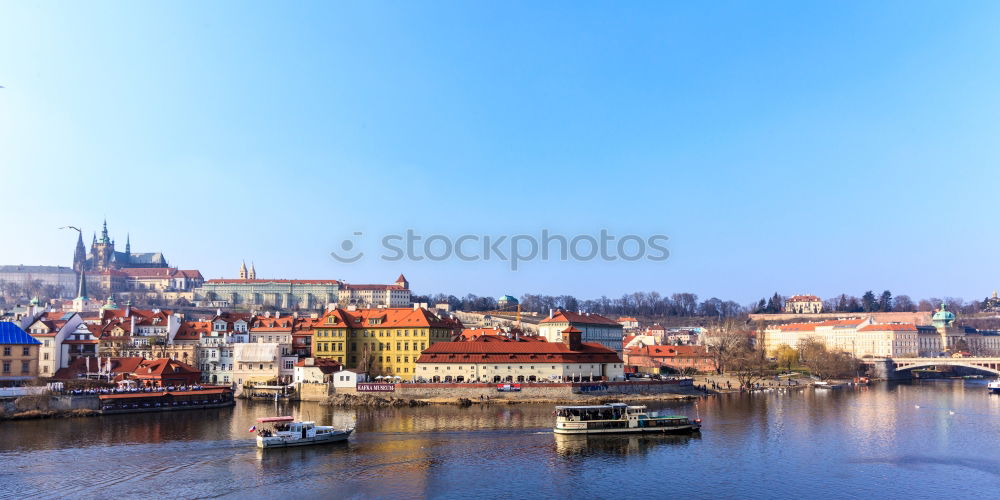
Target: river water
<point>844,443</point>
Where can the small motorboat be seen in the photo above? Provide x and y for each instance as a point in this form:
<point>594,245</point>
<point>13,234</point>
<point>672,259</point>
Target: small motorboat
<point>993,386</point>
<point>283,432</point>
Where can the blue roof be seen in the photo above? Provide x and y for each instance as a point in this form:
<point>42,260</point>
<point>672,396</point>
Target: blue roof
<point>10,333</point>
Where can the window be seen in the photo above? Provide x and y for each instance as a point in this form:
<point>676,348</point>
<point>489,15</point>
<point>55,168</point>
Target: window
<point>45,356</point>
<point>6,367</point>
<point>25,366</point>
<point>6,351</point>
<point>46,342</point>
<point>288,365</point>
<point>25,351</point>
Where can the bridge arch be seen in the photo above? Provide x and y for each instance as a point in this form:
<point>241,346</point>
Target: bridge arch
<point>949,362</point>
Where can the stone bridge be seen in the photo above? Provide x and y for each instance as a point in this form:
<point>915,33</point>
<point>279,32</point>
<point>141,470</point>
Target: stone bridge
<point>890,368</point>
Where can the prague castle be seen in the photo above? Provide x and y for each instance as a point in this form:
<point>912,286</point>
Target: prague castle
<point>104,257</point>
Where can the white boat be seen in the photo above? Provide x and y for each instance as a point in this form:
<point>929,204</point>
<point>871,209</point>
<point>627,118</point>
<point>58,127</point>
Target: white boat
<point>618,418</point>
<point>993,386</point>
<point>282,432</point>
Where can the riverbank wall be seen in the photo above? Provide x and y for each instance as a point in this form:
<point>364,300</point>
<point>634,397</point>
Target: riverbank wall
<point>541,392</point>
<point>37,406</point>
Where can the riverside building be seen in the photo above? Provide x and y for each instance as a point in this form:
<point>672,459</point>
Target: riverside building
<point>380,341</point>
<point>493,359</point>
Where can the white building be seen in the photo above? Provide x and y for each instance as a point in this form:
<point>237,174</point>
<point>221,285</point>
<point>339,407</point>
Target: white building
<point>492,359</point>
<point>595,328</point>
<point>51,329</point>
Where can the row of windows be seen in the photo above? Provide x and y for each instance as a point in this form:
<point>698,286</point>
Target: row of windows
<point>25,351</point>
<point>25,367</point>
<point>339,346</point>
<point>378,333</point>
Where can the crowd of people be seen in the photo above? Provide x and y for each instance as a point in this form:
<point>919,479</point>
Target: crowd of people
<point>134,390</point>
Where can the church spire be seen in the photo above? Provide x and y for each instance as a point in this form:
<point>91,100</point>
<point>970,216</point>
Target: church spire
<point>253,271</point>
<point>80,254</point>
<point>104,232</point>
<point>243,270</point>
<point>82,287</point>
<point>128,248</point>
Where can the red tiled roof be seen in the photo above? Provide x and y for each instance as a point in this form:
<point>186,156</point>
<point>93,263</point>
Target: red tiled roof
<point>263,324</point>
<point>346,286</point>
<point>669,351</point>
<point>286,281</point>
<point>472,333</point>
<point>514,351</point>
<point>401,317</point>
<point>890,327</point>
<point>79,366</point>
<point>193,330</point>
<point>560,316</point>
<point>798,327</point>
<point>159,367</point>
<point>803,298</point>
<point>842,322</point>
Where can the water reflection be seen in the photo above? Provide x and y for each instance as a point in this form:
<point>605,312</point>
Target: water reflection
<point>621,444</point>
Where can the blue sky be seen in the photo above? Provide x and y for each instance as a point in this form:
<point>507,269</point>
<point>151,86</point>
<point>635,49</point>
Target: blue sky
<point>783,146</point>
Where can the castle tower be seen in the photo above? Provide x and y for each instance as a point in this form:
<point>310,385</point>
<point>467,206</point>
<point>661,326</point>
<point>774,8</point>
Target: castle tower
<point>401,281</point>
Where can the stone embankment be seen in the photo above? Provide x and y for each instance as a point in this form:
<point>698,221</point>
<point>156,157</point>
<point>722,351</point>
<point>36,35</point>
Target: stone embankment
<point>369,401</point>
<point>48,406</point>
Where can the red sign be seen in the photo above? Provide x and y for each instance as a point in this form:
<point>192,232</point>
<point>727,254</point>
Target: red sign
<point>367,387</point>
<point>508,387</point>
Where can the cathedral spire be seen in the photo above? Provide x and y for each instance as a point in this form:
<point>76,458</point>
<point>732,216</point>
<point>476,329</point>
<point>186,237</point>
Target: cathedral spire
<point>80,254</point>
<point>104,232</point>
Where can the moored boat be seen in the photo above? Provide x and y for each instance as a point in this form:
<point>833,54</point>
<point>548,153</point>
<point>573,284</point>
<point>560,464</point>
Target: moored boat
<point>619,418</point>
<point>993,386</point>
<point>283,432</point>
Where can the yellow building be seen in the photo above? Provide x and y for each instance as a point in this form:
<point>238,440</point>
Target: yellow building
<point>380,341</point>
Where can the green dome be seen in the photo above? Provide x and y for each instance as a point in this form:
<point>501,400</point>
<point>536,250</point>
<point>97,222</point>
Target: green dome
<point>943,315</point>
<point>506,299</point>
<point>110,304</point>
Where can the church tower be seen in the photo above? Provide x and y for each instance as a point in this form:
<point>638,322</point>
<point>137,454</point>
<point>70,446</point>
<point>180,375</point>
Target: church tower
<point>103,249</point>
<point>243,270</point>
<point>253,271</point>
<point>128,249</point>
<point>80,255</point>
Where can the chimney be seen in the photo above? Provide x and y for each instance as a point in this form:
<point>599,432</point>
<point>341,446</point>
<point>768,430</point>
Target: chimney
<point>571,337</point>
<point>218,311</point>
<point>277,314</point>
<point>550,313</point>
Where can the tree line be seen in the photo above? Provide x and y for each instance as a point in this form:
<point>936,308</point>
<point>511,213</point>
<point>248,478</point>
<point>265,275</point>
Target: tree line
<point>870,302</point>
<point>633,304</point>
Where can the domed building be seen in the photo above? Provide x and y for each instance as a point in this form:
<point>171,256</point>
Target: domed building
<point>505,301</point>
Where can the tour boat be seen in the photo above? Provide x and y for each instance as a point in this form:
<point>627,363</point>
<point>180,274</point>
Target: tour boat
<point>993,386</point>
<point>282,432</point>
<point>619,418</point>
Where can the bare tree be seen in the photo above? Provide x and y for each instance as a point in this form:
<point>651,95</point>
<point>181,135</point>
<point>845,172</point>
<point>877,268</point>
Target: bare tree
<point>725,340</point>
<point>750,366</point>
